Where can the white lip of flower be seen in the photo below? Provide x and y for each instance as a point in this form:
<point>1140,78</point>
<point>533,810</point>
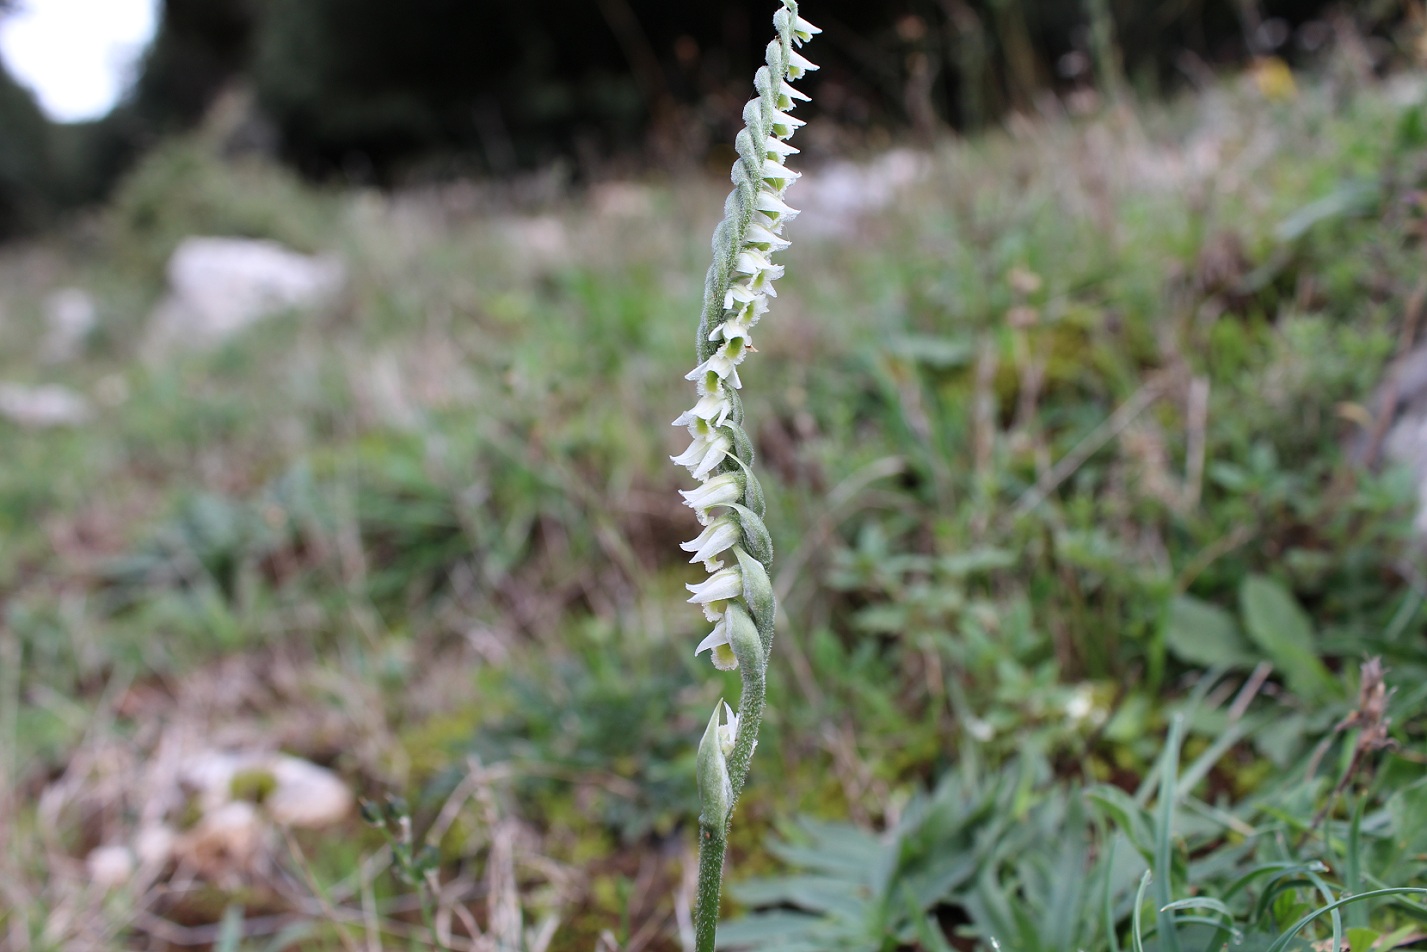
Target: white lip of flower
<point>749,314</point>
<point>783,125</point>
<point>776,146</point>
<point>799,65</point>
<point>778,172</point>
<point>761,273</point>
<point>722,651</point>
<point>718,587</point>
<point>738,293</point>
<point>787,96</point>
<point>719,491</point>
<point>731,330</point>
<point>714,407</point>
<point>766,201</point>
<point>728,730</point>
<point>721,364</point>
<point>803,31</point>
<point>719,536</point>
<point>704,453</point>
<point>763,280</point>
<point>758,235</point>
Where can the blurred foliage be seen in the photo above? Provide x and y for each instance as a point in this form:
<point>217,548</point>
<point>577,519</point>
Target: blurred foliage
<point>384,93</point>
<point>25,147</point>
<point>1006,685</point>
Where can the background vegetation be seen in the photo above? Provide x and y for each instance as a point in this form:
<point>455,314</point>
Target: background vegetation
<point>1079,580</point>
<point>366,92</point>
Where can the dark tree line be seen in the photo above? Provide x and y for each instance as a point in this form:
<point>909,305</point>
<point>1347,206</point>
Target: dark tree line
<point>376,90</point>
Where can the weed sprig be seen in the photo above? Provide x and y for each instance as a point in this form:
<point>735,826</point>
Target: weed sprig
<point>738,596</point>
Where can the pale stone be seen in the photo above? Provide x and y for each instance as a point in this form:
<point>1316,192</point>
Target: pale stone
<point>832,198</point>
<point>154,845</point>
<point>41,407</point>
<point>306,795</point>
<point>70,316</point>
<point>302,794</point>
<point>224,842</point>
<point>109,866</point>
<point>221,286</point>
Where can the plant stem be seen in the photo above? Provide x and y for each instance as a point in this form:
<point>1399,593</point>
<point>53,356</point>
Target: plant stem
<point>713,837</point>
<point>713,841</point>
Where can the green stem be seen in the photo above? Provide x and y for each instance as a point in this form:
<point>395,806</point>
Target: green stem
<point>713,838</point>
<point>713,841</point>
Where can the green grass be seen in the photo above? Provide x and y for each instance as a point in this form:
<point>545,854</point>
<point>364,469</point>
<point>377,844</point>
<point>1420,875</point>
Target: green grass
<point>1054,461</point>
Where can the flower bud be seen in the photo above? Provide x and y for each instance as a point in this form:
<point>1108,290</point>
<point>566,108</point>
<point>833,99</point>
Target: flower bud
<point>715,787</point>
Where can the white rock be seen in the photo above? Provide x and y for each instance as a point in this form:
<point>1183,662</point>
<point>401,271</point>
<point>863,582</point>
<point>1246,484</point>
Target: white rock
<point>302,794</point>
<point>70,316</point>
<point>306,795</point>
<point>44,406</point>
<point>833,197</point>
<point>109,866</point>
<point>154,845</point>
<point>1405,443</point>
<point>220,286</point>
<point>224,842</point>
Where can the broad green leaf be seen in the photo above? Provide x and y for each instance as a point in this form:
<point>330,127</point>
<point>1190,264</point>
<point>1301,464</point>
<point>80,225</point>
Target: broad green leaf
<point>1199,633</point>
<point>1278,625</point>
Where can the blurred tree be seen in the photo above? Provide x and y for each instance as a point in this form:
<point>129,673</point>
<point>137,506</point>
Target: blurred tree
<point>200,46</point>
<point>25,175</point>
<point>374,90</point>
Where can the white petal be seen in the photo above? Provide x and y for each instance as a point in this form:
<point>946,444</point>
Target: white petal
<point>718,448</point>
<point>759,235</point>
<point>786,89</point>
<point>728,730</point>
<point>784,125</point>
<point>766,201</point>
<point>718,537</point>
<point>719,491</point>
<point>803,31</point>
<point>776,146</point>
<point>692,455</point>
<point>719,636</point>
<point>721,586</point>
<point>798,65</point>
<point>778,172</point>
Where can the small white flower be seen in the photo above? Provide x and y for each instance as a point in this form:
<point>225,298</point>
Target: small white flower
<point>718,587</point>
<point>763,280</point>
<point>719,491</point>
<point>778,172</point>
<point>721,365</point>
<point>712,407</point>
<point>766,201</point>
<point>717,537</point>
<point>728,730</point>
<point>734,329</point>
<point>758,235</point>
<point>799,65</point>
<point>803,31</point>
<point>787,96</point>
<point>783,125</point>
<point>738,293</point>
<point>704,453</point>
<point>777,147</point>
<point>752,262</point>
<point>717,641</point>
